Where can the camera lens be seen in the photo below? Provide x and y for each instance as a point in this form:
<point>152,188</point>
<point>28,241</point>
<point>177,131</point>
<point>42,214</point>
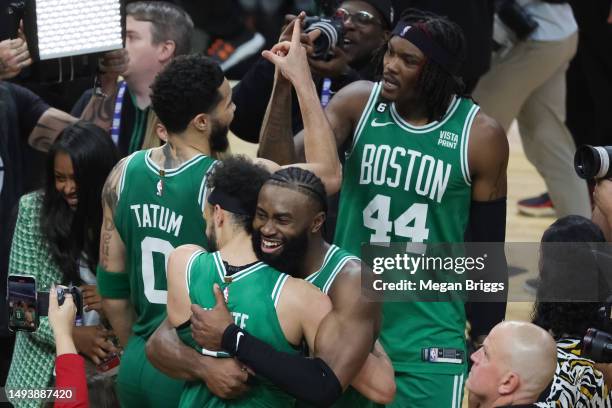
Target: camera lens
<point>593,162</point>
<point>597,346</point>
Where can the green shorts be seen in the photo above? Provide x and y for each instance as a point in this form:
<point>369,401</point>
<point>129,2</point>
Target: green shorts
<point>139,384</point>
<point>426,390</point>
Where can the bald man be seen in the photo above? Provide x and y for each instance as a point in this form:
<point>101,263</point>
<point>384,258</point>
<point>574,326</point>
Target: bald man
<point>515,364</point>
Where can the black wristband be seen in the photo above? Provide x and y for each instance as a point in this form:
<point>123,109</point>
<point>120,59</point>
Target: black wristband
<point>228,341</point>
<point>309,380</point>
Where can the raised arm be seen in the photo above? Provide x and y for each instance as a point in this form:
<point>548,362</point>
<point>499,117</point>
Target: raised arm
<point>320,146</point>
<point>343,113</point>
<point>48,127</point>
<point>101,106</point>
<point>113,281</point>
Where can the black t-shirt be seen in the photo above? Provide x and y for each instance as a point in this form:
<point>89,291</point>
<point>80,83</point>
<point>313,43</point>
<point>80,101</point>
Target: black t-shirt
<point>20,110</point>
<point>129,114</point>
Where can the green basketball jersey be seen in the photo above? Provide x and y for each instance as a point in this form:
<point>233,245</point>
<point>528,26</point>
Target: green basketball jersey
<point>333,262</point>
<point>335,259</point>
<point>157,211</point>
<point>251,295</point>
<point>405,183</point>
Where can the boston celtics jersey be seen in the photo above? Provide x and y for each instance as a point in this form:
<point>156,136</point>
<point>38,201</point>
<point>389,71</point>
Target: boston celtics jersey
<point>333,262</point>
<point>251,295</point>
<point>405,183</point>
<point>157,211</point>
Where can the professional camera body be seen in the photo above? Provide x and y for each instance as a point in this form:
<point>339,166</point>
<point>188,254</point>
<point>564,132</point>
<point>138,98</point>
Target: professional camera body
<point>597,344</point>
<point>593,162</point>
<point>331,36</point>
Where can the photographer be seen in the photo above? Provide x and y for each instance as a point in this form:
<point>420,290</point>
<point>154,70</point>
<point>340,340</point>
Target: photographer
<point>577,382</point>
<point>69,365</point>
<point>365,26</point>
<point>520,86</point>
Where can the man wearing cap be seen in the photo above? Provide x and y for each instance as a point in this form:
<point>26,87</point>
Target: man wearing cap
<point>424,165</point>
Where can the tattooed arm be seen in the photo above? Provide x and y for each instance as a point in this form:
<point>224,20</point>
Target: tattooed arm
<point>100,108</point>
<point>112,256</point>
<point>48,127</point>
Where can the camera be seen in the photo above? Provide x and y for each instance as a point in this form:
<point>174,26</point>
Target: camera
<point>331,35</point>
<point>77,297</point>
<point>597,346</point>
<point>593,162</point>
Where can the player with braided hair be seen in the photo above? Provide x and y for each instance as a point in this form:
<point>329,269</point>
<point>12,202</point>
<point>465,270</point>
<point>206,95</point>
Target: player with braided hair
<point>291,210</point>
<point>424,165</point>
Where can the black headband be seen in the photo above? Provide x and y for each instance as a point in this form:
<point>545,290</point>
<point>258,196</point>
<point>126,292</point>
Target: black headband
<point>227,202</point>
<point>427,45</point>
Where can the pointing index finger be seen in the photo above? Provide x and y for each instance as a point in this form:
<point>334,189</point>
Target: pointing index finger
<point>295,37</point>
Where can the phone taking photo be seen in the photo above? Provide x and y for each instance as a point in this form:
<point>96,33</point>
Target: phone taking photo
<point>22,303</point>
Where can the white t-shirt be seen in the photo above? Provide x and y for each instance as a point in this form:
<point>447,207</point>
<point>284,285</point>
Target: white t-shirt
<point>90,318</point>
<point>555,21</point>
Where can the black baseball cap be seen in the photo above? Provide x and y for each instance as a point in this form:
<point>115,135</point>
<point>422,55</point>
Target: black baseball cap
<point>385,8</point>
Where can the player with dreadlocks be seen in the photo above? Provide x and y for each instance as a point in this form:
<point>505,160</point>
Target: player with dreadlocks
<point>424,165</point>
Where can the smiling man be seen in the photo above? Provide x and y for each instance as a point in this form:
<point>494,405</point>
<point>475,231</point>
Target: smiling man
<point>424,165</point>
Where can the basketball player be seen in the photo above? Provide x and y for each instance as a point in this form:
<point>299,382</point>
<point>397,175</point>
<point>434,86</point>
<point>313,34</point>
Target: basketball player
<point>153,202</point>
<point>291,209</point>
<point>425,165</point>
<point>276,307</point>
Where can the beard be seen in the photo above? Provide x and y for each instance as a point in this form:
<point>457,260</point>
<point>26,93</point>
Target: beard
<point>218,137</point>
<point>211,242</point>
<point>290,259</point>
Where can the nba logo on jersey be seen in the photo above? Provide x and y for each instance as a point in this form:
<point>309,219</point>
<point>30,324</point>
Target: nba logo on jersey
<point>226,293</point>
<point>160,188</point>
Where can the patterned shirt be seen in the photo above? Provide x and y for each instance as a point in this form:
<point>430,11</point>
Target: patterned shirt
<point>34,354</point>
<point>577,383</point>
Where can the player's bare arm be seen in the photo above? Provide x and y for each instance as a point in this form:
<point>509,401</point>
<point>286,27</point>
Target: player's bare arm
<point>320,152</point>
<point>112,256</point>
<point>179,303</point>
<point>343,113</point>
<point>48,127</point>
<point>224,377</point>
<point>346,337</point>
<point>488,159</point>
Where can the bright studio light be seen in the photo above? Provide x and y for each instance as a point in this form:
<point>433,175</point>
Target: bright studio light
<point>76,27</point>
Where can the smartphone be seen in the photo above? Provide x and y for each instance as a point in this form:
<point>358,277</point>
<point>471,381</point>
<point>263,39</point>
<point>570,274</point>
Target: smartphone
<point>22,303</point>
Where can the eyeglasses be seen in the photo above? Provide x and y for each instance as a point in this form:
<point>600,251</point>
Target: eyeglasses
<point>361,17</point>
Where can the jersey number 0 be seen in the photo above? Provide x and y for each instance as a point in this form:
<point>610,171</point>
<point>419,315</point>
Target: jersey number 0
<point>148,246</point>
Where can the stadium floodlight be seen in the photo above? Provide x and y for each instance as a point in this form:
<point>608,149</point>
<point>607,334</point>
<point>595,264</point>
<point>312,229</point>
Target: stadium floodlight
<point>63,28</point>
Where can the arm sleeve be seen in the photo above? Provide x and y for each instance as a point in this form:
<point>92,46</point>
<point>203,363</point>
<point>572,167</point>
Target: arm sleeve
<point>30,108</point>
<point>29,257</point>
<point>488,224</point>
<point>251,98</point>
<point>70,373</point>
<point>307,379</point>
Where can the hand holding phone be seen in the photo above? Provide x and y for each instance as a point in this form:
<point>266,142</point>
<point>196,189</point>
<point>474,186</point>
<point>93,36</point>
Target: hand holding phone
<point>61,319</point>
